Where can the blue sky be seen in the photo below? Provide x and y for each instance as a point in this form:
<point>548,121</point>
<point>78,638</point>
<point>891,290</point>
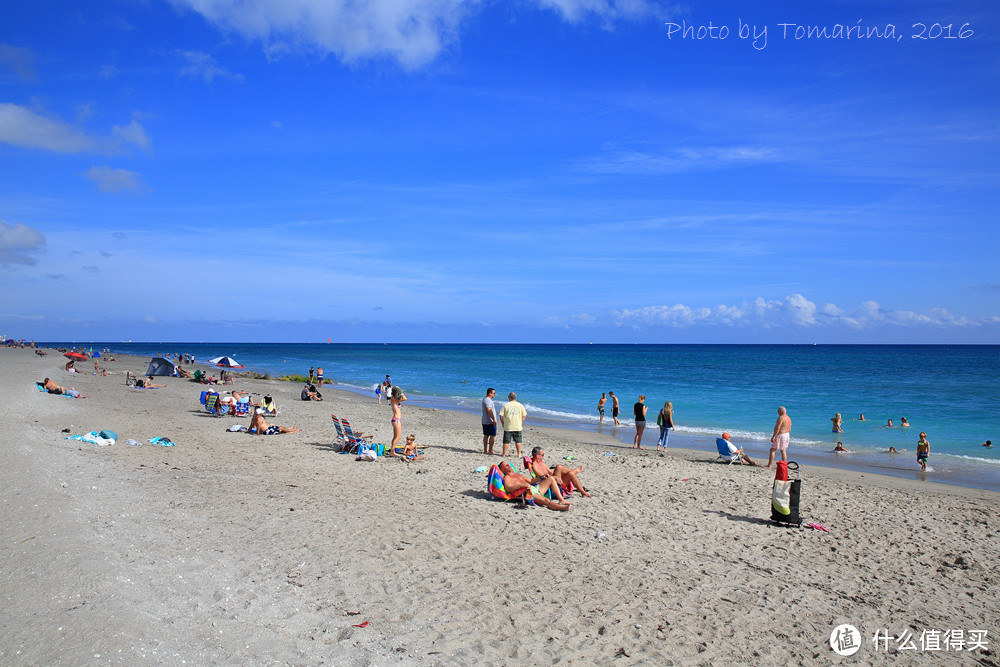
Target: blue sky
<point>530,171</point>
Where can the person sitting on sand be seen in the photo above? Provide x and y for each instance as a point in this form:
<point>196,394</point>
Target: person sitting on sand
<point>560,473</point>
<point>258,426</point>
<point>737,452</point>
<point>181,373</point>
<point>840,448</point>
<point>70,366</point>
<point>514,482</point>
<point>309,393</point>
<point>410,452</point>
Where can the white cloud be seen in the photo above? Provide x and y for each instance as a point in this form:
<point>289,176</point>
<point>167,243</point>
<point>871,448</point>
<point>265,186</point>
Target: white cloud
<point>794,311</point>
<point>133,133</point>
<point>679,159</point>
<point>20,126</point>
<point>412,32</point>
<point>575,11</point>
<point>117,181</point>
<point>18,60</point>
<point>203,66</point>
<point>17,242</point>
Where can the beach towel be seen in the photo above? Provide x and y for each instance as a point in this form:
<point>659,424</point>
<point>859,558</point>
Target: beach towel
<point>494,484</point>
<point>94,437</point>
<point>159,440</point>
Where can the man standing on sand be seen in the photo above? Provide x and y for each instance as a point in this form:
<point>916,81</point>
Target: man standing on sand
<point>489,421</point>
<point>600,405</point>
<point>614,408</point>
<point>512,416</point>
<point>779,439</point>
<point>319,377</point>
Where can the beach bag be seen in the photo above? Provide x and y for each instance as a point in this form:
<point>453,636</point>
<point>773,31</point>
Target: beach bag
<point>659,418</point>
<point>785,494</point>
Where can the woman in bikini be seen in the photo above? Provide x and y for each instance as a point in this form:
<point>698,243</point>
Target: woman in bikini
<point>395,399</point>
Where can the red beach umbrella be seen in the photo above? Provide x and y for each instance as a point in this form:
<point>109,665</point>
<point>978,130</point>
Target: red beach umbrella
<point>75,356</point>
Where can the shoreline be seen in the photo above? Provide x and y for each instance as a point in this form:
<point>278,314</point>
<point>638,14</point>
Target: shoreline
<point>953,471</point>
<point>230,548</point>
<point>701,443</point>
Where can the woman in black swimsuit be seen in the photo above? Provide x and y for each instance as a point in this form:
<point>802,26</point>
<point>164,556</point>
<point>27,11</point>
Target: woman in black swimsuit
<point>640,421</point>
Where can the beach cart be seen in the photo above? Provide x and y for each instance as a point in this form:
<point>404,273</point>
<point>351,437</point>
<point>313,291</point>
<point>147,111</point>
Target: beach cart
<point>785,495</point>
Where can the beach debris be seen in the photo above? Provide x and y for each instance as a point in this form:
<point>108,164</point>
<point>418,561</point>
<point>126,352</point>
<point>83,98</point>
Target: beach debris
<point>353,613</point>
<point>480,469</point>
<point>816,526</point>
<point>362,625</point>
<point>160,440</point>
<point>621,651</point>
<point>602,536</point>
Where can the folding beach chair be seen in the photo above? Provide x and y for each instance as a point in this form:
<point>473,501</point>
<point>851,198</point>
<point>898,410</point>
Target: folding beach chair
<point>355,442</point>
<point>725,454</point>
<point>214,406</point>
<point>341,440</point>
<point>494,484</point>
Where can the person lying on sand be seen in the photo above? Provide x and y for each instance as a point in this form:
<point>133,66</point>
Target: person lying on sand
<point>258,426</point>
<point>560,473</point>
<point>514,482</point>
<point>148,383</point>
<point>244,397</point>
<point>51,387</point>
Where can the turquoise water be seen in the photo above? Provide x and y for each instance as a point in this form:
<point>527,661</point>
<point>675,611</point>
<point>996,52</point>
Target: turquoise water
<point>951,392</point>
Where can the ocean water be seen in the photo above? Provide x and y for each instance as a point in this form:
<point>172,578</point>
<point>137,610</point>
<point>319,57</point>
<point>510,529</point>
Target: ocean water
<point>951,392</point>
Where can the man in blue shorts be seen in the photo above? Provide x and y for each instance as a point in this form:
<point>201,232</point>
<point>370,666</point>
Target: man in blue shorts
<point>489,421</point>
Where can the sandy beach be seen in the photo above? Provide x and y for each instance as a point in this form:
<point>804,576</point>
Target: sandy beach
<point>235,549</point>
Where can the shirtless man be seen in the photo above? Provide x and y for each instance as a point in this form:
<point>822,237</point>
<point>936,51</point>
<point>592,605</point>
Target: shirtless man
<point>614,408</point>
<point>560,473</point>
<point>263,428</point>
<point>600,405</point>
<point>514,482</point>
<point>238,395</point>
<point>780,437</point>
<point>51,387</point>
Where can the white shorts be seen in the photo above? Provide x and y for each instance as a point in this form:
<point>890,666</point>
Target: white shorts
<point>782,442</point>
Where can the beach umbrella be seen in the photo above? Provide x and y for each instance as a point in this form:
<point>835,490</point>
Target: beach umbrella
<point>225,362</point>
<point>96,355</point>
<point>75,356</point>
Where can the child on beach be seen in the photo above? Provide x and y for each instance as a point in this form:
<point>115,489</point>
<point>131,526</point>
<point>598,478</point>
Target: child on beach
<point>410,450</point>
<point>923,451</point>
